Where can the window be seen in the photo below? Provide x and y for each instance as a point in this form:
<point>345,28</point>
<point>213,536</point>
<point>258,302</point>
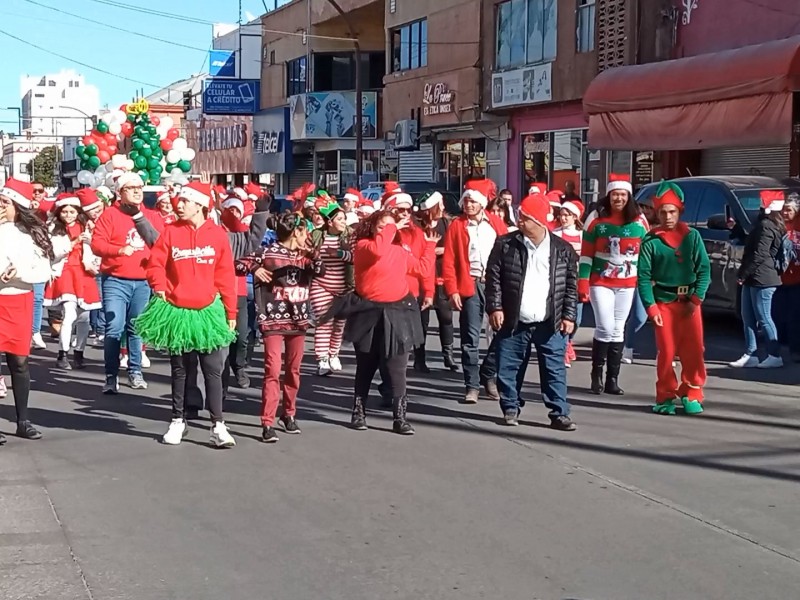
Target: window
<point>51,83</point>
<point>713,202</point>
<point>535,161</point>
<point>337,71</point>
<point>526,32</point>
<point>296,76</point>
<point>71,83</point>
<point>410,46</point>
<point>586,21</point>
<point>77,84</point>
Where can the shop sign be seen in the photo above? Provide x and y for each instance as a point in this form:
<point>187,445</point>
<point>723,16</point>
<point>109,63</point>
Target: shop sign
<point>332,115</point>
<point>268,142</point>
<point>222,138</point>
<point>272,149</point>
<point>528,85</point>
<point>437,99</point>
<point>644,169</point>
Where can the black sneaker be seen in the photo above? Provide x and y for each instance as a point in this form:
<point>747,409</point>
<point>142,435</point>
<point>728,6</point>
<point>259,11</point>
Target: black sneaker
<point>290,425</point>
<point>28,431</point>
<point>268,435</point>
<point>242,380</point>
<point>563,424</point>
<point>402,427</point>
<point>111,386</point>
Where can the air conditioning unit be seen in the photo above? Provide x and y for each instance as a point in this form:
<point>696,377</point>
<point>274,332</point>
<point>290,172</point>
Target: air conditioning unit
<point>406,135</point>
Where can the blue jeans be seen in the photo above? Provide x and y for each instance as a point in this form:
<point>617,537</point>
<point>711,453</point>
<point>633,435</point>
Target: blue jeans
<point>636,320</point>
<point>784,313</point>
<point>97,318</point>
<point>513,350</point>
<point>38,307</point>
<point>578,319</point>
<point>123,301</point>
<point>470,324</point>
<point>251,308</point>
<point>757,312</point>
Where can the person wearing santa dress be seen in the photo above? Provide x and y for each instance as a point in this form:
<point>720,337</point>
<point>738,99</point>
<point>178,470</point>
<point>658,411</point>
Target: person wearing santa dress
<point>193,311</point>
<point>351,199</point>
<point>165,209</point>
<point>74,287</point>
<point>570,229</point>
<point>93,206</point>
<point>26,253</point>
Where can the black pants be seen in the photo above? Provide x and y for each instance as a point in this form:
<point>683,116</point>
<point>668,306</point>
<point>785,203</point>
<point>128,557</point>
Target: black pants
<point>193,395</point>
<point>21,382</point>
<point>238,353</point>
<point>212,365</point>
<point>393,369</point>
<point>444,314</point>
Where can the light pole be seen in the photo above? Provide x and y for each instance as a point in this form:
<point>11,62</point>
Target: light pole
<point>19,117</point>
<point>85,116</point>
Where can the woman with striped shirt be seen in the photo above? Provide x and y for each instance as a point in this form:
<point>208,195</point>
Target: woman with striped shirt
<point>331,243</point>
<point>570,230</point>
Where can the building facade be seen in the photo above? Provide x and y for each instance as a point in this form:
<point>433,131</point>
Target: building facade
<point>58,104</point>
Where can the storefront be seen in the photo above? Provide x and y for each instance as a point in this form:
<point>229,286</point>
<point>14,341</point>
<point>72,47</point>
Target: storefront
<point>223,149</point>
<point>272,149</point>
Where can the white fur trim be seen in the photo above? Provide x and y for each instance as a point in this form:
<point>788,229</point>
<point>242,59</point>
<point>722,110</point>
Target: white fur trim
<point>535,189</point>
<point>573,208</point>
<point>68,201</point>
<point>476,196</point>
<point>619,185</point>
<point>351,197</point>
<point>399,199</point>
<point>434,199</point>
<point>234,203</point>
<point>240,193</point>
<point>192,195</point>
<point>15,197</point>
<point>127,179</point>
<point>775,206</point>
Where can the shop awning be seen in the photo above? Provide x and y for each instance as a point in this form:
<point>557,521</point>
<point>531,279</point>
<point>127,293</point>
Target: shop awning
<point>740,97</point>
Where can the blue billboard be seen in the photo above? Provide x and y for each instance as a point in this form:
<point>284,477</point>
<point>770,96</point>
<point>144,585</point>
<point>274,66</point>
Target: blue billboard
<point>231,96</point>
<point>222,63</point>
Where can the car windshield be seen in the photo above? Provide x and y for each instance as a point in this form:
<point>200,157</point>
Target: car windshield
<point>750,201</point>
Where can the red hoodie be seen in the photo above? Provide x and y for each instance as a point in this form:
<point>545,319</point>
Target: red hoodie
<point>412,238</point>
<point>193,265</point>
<point>113,231</point>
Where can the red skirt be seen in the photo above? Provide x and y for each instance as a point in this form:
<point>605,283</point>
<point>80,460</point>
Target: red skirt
<point>16,323</point>
<point>73,285</point>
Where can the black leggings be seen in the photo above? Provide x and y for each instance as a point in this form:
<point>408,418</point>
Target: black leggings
<point>393,368</point>
<point>21,382</point>
<point>444,315</point>
<point>212,365</point>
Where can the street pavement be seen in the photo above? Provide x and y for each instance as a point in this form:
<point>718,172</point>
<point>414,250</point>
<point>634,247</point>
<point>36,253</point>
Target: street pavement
<point>630,506</point>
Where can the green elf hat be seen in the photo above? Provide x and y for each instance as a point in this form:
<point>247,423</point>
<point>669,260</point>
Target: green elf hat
<point>429,200</point>
<point>668,193</point>
<point>329,210</point>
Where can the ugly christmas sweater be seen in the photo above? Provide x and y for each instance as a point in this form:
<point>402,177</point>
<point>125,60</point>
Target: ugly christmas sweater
<point>673,265</point>
<point>610,253</point>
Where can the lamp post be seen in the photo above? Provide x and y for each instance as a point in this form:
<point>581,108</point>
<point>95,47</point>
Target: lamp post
<point>85,116</point>
<point>19,117</point>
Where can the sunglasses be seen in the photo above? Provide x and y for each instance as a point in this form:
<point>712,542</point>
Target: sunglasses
<point>38,190</point>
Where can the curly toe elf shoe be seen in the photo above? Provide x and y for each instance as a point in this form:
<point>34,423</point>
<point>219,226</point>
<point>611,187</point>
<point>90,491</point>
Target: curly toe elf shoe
<point>692,407</point>
<point>665,408</point>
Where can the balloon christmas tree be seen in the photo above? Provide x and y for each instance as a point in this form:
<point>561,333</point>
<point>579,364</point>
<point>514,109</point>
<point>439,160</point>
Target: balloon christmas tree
<point>157,150</point>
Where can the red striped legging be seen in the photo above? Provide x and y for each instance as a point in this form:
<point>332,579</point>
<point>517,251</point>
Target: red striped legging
<point>327,336</point>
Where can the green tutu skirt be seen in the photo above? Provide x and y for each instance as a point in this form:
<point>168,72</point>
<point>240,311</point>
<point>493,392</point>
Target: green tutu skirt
<point>167,327</point>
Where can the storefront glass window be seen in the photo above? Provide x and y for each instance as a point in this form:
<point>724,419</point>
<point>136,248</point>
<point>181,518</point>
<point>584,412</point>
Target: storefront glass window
<point>620,163</point>
<point>535,161</point>
<point>461,160</point>
<point>567,148</point>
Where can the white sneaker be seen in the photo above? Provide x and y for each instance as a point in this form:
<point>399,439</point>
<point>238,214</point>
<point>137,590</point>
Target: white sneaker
<point>747,361</point>
<point>771,362</point>
<point>627,356</point>
<point>38,342</point>
<point>176,432</point>
<point>3,388</point>
<point>145,361</point>
<point>324,367</point>
<point>221,437</point>
<point>335,364</point>
<point>123,361</point>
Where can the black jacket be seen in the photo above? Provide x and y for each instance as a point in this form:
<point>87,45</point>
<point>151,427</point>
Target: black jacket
<point>758,260</point>
<point>505,275</point>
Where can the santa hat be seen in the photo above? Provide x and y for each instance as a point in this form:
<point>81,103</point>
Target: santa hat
<point>772,200</point>
<point>89,199</point>
<point>129,178</point>
<point>554,197</point>
<point>365,207</point>
<point>240,193</point>
<point>253,191</point>
<point>197,192</point>
<point>479,190</point>
<point>67,199</point>
<point>19,192</point>
<point>222,193</point>
<point>394,197</point>
<point>668,193</point>
<point>105,194</point>
<point>353,195</point>
<point>249,211</point>
<point>575,207</point>
<point>536,189</point>
<point>430,200</point>
<point>618,181</point>
<point>536,207</point>
<point>165,195</point>
<point>234,203</point>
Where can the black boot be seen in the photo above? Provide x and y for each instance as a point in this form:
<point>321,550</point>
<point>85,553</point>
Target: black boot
<point>599,352</point>
<point>400,425</point>
<point>612,372</point>
<point>419,360</point>
<point>28,431</point>
<point>359,419</point>
<point>79,362</point>
<point>62,362</point>
<point>449,360</point>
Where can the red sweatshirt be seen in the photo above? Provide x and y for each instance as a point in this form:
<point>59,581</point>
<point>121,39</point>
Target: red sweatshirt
<point>412,238</point>
<point>193,265</point>
<point>455,262</point>
<point>113,231</point>
<point>379,262</point>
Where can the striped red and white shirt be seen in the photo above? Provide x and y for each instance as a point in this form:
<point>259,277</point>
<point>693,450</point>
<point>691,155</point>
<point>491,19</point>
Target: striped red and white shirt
<point>334,280</point>
<point>571,235</point>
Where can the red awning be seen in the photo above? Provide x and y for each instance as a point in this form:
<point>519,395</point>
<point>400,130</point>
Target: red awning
<point>740,97</point>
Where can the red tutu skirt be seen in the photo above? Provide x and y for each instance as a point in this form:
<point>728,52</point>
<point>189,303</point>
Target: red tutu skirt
<point>73,285</point>
<point>16,323</point>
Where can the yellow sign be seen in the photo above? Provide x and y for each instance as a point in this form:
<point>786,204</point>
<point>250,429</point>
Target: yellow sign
<point>140,107</point>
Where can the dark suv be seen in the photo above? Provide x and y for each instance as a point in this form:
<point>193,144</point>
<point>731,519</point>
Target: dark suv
<point>723,210</point>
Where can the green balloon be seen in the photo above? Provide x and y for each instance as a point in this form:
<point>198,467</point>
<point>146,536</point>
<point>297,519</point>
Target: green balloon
<point>145,118</point>
<point>144,175</point>
<point>170,167</point>
<point>158,153</point>
<point>93,162</point>
<point>137,144</point>
<point>152,164</point>
<point>185,166</point>
<point>91,149</point>
<point>140,162</point>
<point>151,129</point>
<point>133,154</point>
<point>84,165</point>
<point>145,137</point>
<point>131,118</point>
<point>80,151</point>
<point>102,127</point>
<point>147,152</point>
<point>155,176</point>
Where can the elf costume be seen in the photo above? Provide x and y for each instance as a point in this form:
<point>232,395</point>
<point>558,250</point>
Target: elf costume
<point>674,275</point>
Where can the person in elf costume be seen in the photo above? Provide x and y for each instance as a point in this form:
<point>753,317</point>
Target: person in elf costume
<point>674,275</point>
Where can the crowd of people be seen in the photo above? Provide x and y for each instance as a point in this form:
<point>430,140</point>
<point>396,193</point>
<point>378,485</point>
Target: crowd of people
<point>208,272</point>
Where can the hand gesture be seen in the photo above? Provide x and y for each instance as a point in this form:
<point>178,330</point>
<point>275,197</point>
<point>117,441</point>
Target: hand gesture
<point>426,304</point>
<point>126,251</point>
<point>404,222</point>
<point>455,302</point>
<point>567,327</point>
<point>3,214</point>
<point>162,295</point>
<point>263,275</point>
<point>9,274</point>
<point>129,209</point>
<point>86,236</point>
<point>496,319</point>
<point>658,320</point>
<point>433,237</point>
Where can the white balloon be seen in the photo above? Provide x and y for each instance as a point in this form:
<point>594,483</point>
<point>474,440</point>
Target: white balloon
<point>129,166</point>
<point>101,170</point>
<point>119,160</point>
<point>109,166</point>
<point>85,177</point>
<point>99,180</point>
<point>115,128</point>
<point>166,123</point>
<point>173,155</point>
<point>179,144</point>
<point>119,116</point>
<point>188,154</point>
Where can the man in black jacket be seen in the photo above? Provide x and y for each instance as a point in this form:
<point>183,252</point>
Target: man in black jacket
<point>531,297</point>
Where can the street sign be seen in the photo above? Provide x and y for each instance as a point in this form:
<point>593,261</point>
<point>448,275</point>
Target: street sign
<point>231,96</point>
<point>222,63</point>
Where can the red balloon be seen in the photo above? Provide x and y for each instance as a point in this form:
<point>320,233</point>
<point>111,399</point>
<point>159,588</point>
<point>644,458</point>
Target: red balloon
<point>87,139</point>
<point>103,156</point>
<point>166,144</point>
<point>127,128</point>
<point>123,108</point>
<point>155,121</point>
<point>173,134</point>
<point>111,139</point>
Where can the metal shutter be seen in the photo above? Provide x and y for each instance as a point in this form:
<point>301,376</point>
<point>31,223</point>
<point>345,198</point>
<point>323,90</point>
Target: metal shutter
<point>416,165</point>
<point>302,172</point>
<point>771,161</point>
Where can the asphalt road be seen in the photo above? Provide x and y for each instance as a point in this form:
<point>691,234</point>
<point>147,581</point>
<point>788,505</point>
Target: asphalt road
<point>630,506</point>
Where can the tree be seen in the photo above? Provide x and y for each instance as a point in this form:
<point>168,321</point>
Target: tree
<point>45,166</point>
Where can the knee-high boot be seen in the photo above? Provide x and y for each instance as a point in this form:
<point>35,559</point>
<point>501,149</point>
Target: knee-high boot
<point>400,424</point>
<point>420,364</point>
<point>358,420</point>
<point>599,353</point>
<point>612,372</point>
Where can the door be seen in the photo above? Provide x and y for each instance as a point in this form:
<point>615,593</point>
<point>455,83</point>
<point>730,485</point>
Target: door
<point>724,289</point>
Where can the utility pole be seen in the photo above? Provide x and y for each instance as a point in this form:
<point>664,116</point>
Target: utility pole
<point>359,91</point>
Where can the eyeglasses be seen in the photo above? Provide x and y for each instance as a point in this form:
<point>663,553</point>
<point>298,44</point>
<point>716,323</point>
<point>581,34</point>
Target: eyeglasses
<point>38,190</point>
<point>402,210</point>
<point>133,188</point>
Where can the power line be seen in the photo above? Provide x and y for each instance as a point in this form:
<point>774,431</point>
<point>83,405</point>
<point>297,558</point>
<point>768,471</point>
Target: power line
<point>155,13</point>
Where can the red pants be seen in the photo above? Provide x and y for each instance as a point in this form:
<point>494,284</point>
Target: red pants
<point>271,392</point>
<point>681,335</point>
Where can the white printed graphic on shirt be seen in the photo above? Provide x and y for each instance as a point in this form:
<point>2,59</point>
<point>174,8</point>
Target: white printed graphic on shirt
<point>203,256</point>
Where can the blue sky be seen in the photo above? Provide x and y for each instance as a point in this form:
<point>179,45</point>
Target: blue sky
<point>119,52</point>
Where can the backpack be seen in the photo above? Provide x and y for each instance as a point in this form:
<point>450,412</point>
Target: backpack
<point>785,255</point>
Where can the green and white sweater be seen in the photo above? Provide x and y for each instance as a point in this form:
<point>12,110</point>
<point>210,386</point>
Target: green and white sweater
<point>610,253</point>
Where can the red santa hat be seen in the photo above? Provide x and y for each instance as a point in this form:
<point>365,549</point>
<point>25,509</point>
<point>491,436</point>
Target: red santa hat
<point>772,200</point>
<point>618,181</point>
<point>165,195</point>
<point>575,207</point>
<point>536,188</point>
<point>67,199</point>
<point>554,197</point>
<point>19,192</point>
<point>249,211</point>
<point>89,199</point>
<point>221,191</point>
<point>253,191</point>
<point>234,203</point>
<point>128,178</point>
<point>394,197</point>
<point>536,207</point>
<point>353,195</point>
<point>479,190</point>
<point>197,192</point>
<point>365,207</point>
<point>240,193</point>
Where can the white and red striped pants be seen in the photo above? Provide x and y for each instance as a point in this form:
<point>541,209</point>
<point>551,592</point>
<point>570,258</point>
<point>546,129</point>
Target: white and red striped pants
<point>327,336</point>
